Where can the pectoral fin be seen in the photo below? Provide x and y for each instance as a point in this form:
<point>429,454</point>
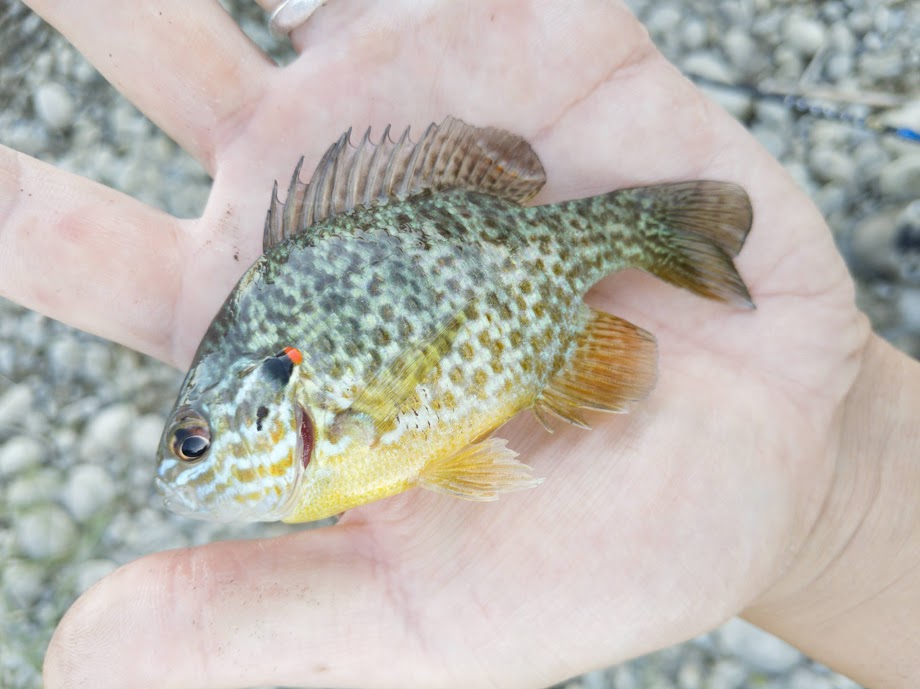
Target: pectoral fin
<point>613,366</point>
<point>481,471</point>
<point>394,385</point>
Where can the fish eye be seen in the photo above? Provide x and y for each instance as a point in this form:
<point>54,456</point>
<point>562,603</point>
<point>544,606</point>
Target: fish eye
<point>190,444</point>
<point>193,447</point>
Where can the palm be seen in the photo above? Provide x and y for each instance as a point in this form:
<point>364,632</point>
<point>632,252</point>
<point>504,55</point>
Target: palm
<point>650,528</point>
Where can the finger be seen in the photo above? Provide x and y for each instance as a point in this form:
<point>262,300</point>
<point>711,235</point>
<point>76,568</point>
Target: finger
<point>301,610</point>
<point>87,255</point>
<point>186,65</point>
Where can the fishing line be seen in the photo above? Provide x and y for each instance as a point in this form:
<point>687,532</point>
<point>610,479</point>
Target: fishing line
<point>813,107</point>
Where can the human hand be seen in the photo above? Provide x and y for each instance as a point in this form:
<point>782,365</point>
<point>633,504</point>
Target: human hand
<point>667,520</point>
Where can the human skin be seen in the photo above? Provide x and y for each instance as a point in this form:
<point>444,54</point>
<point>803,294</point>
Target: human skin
<point>769,474</point>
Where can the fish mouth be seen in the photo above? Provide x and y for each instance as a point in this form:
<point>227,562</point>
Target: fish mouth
<point>182,500</point>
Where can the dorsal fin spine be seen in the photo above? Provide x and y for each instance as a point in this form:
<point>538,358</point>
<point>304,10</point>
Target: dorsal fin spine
<point>393,165</point>
<point>351,195</point>
<point>452,155</point>
<point>290,214</point>
<point>375,176</point>
<point>412,167</point>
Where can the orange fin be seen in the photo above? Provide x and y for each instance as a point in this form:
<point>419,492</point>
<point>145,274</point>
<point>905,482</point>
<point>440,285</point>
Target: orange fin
<point>452,155</point>
<point>481,471</point>
<point>699,227</point>
<point>613,366</point>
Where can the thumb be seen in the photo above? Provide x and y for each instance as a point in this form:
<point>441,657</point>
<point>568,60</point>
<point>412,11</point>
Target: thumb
<point>313,608</point>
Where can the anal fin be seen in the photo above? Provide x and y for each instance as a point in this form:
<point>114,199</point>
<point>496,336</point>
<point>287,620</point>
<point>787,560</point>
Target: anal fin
<point>481,471</point>
<point>613,366</point>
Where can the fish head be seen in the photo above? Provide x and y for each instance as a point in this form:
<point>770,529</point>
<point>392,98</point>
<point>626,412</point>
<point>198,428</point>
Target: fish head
<point>237,441</point>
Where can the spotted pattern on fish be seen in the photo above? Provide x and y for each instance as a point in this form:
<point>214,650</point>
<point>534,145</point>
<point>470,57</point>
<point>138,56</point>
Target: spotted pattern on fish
<point>426,316</point>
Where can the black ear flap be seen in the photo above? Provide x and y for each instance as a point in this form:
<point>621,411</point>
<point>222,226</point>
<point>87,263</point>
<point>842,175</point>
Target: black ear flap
<point>279,368</point>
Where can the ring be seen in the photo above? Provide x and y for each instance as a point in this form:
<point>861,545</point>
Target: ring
<point>290,14</point>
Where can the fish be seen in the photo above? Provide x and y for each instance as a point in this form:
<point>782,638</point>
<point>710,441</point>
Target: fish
<point>407,303</point>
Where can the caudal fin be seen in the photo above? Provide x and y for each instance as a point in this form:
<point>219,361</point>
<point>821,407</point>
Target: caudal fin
<point>692,232</point>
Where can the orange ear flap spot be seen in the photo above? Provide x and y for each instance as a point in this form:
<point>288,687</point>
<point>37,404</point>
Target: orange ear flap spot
<point>294,355</point>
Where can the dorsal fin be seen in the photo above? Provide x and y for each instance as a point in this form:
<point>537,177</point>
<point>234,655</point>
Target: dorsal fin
<point>452,155</point>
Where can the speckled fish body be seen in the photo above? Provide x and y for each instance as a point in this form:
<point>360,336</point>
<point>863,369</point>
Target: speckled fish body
<point>402,311</point>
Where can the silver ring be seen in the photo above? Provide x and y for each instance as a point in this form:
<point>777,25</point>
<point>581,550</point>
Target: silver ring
<point>290,14</point>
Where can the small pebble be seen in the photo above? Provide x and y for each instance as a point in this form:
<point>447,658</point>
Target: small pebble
<point>83,71</point>
<point>108,433</point>
<point>832,199</point>
<point>838,66</point>
<point>23,581</point>
<point>690,675</point>
<point>63,356</point>
<point>54,105</point>
<point>860,21</point>
<point>145,435</point>
<point>15,401</point>
<point>28,136</point>
<point>737,104</point>
<point>900,178</point>
<point>665,18</point>
<point>743,51</point>
<point>909,304</point>
<point>45,533</point>
<point>89,489</point>
<point>907,243</point>
<point>770,140</point>
<point>755,647</point>
<point>773,115</point>
<point>841,682</point>
<point>803,34</point>
<point>710,66</point>
<point>831,165</point>
<point>39,486</point>
<point>788,63</point>
<point>32,330</point>
<point>840,38</point>
<point>736,13</point>
<point>19,453</point>
<point>92,571</point>
<point>803,678</point>
<point>695,34</point>
<point>727,673</point>
<point>878,304</point>
<point>595,680</point>
<point>880,65</point>
<point>625,678</point>
<point>870,158</point>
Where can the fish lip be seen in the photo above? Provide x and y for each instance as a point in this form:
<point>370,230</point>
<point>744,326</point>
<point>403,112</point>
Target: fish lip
<point>177,504</point>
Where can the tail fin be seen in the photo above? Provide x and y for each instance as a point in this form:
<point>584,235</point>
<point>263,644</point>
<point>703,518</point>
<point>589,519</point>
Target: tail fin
<point>693,230</point>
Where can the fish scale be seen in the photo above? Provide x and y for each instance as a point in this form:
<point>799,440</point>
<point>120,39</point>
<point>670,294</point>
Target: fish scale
<point>406,305</point>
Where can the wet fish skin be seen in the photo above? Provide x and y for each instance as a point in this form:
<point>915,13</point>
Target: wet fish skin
<point>424,323</point>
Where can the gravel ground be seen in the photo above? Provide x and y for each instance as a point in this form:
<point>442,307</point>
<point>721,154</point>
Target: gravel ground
<point>80,417</point>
